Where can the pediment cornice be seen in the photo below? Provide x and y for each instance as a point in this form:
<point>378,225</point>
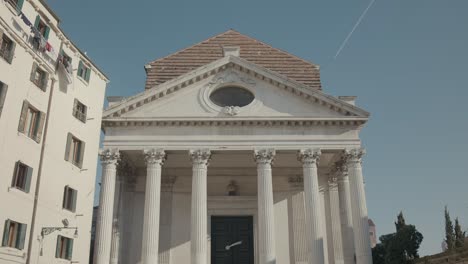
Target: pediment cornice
<point>115,112</point>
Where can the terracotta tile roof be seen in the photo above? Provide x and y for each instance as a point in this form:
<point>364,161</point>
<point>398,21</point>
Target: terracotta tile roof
<point>186,60</point>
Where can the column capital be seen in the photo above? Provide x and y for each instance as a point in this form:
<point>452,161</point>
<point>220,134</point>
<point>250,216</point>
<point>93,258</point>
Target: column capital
<point>264,156</point>
<point>154,156</point>
<point>332,180</point>
<point>309,156</point>
<point>109,156</point>
<point>200,156</point>
<point>354,155</point>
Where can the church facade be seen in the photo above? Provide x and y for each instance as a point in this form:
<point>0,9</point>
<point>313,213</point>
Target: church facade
<point>232,154</point>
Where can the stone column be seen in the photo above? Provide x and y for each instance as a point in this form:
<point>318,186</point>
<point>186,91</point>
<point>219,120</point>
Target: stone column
<point>104,225</point>
<point>198,230</point>
<point>167,183</point>
<point>335,219</point>
<point>346,213</point>
<point>150,244</point>
<point>115,243</point>
<point>309,159</point>
<point>359,207</point>
<point>298,222</point>
<point>266,214</point>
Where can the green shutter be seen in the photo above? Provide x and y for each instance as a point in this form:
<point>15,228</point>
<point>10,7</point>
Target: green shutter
<point>24,112</point>
<point>58,248</point>
<point>69,248</point>
<point>46,33</point>
<point>33,72</point>
<point>40,126</point>
<point>6,233</point>
<point>21,236</point>
<point>3,93</point>
<point>19,6</point>
<point>67,148</point>
<point>11,53</point>
<point>88,74</point>
<point>74,197</point>
<point>45,81</point>
<point>82,150</point>
<point>65,198</point>
<point>15,171</point>
<point>80,68</point>
<point>28,179</point>
<point>36,23</point>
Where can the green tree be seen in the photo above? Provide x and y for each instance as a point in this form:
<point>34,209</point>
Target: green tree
<point>400,247</point>
<point>449,234</point>
<point>459,235</point>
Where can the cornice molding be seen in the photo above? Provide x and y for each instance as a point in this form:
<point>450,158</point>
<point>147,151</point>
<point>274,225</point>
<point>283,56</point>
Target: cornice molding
<point>242,66</point>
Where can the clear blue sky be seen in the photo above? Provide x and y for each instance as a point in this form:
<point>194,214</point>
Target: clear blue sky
<point>407,63</point>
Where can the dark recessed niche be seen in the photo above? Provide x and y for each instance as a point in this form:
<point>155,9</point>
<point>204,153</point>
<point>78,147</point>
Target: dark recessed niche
<point>231,96</point>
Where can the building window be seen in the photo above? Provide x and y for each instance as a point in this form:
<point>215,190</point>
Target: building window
<point>69,199</point>
<point>74,151</point>
<point>3,93</point>
<point>42,27</point>
<point>14,234</point>
<point>84,71</point>
<point>39,77</point>
<point>7,47</point>
<point>64,249</point>
<point>79,111</point>
<point>231,96</point>
<point>31,122</point>
<point>17,4</point>
<point>22,177</point>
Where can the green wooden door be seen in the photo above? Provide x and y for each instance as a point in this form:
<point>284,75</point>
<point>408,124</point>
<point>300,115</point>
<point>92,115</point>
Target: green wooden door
<point>232,240</point>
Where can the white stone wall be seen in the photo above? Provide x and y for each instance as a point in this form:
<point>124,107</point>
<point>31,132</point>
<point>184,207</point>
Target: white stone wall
<point>56,172</point>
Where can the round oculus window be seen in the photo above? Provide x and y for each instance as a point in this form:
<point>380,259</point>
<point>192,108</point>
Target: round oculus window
<point>231,96</point>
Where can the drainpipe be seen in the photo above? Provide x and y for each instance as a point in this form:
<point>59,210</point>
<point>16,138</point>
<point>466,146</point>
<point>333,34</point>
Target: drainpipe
<point>39,173</point>
<point>41,163</point>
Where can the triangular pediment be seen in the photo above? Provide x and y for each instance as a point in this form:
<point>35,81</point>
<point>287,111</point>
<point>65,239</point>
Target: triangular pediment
<point>275,97</point>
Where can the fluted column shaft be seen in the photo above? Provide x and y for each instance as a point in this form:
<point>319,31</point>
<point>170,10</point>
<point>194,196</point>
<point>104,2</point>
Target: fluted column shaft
<point>198,230</point>
<point>309,159</point>
<point>335,220</point>
<point>104,225</point>
<point>115,246</point>
<point>264,158</point>
<point>346,215</point>
<point>150,244</point>
<point>359,207</point>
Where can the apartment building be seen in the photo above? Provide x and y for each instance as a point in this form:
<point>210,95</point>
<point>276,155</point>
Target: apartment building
<point>51,100</point>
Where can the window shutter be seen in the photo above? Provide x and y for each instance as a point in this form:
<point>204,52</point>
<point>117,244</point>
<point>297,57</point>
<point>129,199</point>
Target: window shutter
<point>33,72</point>
<point>36,23</point>
<point>80,67</point>
<point>15,171</point>
<point>24,112</point>
<point>6,233</point>
<point>85,113</point>
<point>75,195</point>
<point>11,53</point>
<point>88,74</point>
<point>82,150</point>
<point>67,148</point>
<point>58,248</point>
<point>21,236</point>
<point>40,127</point>
<point>69,249</point>
<point>1,37</point>
<point>75,105</point>
<point>46,33</point>
<point>44,81</point>
<point>19,5</point>
<point>28,179</point>
<point>3,92</point>
<point>65,193</point>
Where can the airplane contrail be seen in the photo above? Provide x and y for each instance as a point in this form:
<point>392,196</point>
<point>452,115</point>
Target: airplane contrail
<point>354,29</point>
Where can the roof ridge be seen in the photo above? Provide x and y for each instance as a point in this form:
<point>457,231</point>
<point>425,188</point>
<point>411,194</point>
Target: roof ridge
<point>191,46</point>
